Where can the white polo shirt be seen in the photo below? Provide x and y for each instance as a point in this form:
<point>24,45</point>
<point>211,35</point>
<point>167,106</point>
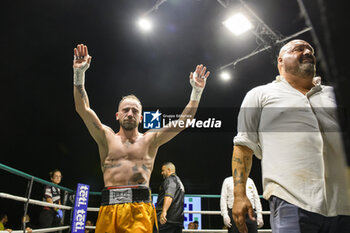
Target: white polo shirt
<point>298,139</point>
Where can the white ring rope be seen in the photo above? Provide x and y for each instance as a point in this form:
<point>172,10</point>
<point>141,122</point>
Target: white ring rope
<point>41,230</point>
<point>223,230</point>
<point>206,230</point>
<point>35,202</point>
<point>93,209</point>
<point>96,209</point>
<point>208,212</point>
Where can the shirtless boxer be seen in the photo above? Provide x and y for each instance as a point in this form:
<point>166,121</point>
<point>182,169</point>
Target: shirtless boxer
<point>127,157</point>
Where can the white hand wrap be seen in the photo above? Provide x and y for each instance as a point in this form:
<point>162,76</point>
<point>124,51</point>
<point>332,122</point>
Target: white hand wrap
<point>196,91</point>
<point>79,74</point>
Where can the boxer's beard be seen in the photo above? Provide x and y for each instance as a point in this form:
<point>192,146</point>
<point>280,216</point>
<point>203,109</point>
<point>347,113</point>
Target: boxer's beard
<point>128,125</point>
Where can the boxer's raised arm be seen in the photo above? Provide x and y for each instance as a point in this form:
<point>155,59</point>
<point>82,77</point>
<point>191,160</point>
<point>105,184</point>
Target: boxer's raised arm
<point>197,80</point>
<point>81,63</point>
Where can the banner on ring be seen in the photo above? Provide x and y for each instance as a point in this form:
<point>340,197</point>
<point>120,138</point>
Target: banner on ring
<point>80,208</point>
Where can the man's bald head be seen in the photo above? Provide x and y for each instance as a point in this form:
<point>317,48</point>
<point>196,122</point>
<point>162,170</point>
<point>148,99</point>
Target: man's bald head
<point>297,58</point>
<point>168,168</point>
<point>287,47</point>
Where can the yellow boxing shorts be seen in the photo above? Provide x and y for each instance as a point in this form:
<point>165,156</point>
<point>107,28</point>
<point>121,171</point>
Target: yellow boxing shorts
<point>126,209</point>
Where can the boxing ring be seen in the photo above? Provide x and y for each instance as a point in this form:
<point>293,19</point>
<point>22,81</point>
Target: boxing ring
<point>27,200</point>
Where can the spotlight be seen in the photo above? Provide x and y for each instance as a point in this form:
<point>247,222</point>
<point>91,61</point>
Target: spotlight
<point>225,76</point>
<point>145,24</point>
<point>238,24</point>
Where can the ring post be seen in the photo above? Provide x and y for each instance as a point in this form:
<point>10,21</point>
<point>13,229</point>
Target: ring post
<point>29,191</point>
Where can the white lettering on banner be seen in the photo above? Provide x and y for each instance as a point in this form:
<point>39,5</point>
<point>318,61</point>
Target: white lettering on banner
<point>80,217</point>
<point>83,194</point>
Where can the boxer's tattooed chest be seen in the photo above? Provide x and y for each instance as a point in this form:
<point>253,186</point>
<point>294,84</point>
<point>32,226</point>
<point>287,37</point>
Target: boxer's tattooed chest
<point>111,165</point>
<point>138,177</point>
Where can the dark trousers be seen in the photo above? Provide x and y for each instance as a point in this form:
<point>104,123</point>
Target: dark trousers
<point>288,218</point>
<point>252,225</point>
<point>168,228</point>
<point>48,218</point>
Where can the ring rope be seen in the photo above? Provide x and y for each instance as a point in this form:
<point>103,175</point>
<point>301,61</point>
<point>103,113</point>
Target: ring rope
<point>205,230</point>
<point>222,230</point>
<point>42,230</point>
<point>35,202</point>
<point>96,209</point>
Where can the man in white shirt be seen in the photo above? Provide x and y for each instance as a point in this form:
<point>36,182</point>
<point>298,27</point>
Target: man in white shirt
<point>226,202</point>
<point>291,125</point>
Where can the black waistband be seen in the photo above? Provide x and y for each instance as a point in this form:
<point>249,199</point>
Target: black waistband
<point>125,194</point>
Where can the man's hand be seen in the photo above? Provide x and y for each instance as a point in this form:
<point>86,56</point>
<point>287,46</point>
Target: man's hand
<point>242,207</point>
<point>260,221</point>
<point>198,80</point>
<point>81,56</point>
<point>162,217</point>
<point>199,77</point>
<point>81,63</point>
<point>227,221</point>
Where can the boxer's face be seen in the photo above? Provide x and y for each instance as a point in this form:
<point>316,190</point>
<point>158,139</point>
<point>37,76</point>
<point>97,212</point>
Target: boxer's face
<point>129,114</point>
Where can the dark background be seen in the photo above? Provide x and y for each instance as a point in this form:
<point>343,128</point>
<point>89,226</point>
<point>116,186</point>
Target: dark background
<point>41,130</point>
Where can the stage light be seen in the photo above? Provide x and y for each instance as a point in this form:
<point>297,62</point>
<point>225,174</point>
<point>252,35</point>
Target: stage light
<point>145,24</point>
<point>238,24</point>
<point>225,76</point>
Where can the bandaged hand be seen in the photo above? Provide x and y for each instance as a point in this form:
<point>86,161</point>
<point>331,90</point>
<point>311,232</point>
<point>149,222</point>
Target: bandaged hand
<point>198,80</point>
<point>81,63</point>
<point>227,221</point>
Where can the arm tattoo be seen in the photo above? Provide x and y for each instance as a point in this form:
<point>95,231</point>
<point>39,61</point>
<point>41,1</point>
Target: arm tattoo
<point>247,163</point>
<point>237,178</point>
<point>238,160</point>
<point>82,91</point>
<point>96,125</point>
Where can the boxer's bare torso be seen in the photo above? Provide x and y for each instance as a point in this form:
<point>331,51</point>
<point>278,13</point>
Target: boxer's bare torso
<point>127,162</point>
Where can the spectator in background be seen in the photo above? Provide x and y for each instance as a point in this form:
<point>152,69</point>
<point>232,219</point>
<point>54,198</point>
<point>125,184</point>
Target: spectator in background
<point>191,225</point>
<point>196,224</point>
<point>49,216</point>
<point>3,221</point>
<point>28,224</point>
<point>89,223</point>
